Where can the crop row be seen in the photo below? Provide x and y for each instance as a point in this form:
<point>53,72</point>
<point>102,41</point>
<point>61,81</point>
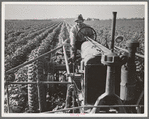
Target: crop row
<point>20,33</point>
<point>64,35</point>
<point>10,48</point>
<point>35,69</point>
<point>17,38</point>
<point>46,44</point>
<point>17,91</point>
<point>14,26</point>
<point>21,54</point>
<point>58,99</point>
<point>68,27</point>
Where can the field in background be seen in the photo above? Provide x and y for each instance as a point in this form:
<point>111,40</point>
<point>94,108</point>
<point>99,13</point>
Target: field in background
<point>27,39</point>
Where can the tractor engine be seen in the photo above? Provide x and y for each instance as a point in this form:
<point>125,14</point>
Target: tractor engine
<point>94,73</point>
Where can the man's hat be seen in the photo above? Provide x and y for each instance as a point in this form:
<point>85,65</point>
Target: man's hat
<point>80,17</point>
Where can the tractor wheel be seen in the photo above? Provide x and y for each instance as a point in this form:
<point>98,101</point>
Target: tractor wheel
<point>35,73</point>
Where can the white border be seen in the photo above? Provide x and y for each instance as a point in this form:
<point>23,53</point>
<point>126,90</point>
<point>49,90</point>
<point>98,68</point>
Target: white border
<point>146,61</point>
<point>78,115</point>
<point>79,3</point>
<point>2,59</point>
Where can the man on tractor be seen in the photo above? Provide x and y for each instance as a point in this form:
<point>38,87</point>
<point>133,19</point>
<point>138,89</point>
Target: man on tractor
<point>77,36</point>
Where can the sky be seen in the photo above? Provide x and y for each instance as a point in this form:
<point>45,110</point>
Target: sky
<point>63,10</point>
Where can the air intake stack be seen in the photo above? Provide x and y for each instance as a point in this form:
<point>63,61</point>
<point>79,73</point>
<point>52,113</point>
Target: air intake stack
<point>128,73</point>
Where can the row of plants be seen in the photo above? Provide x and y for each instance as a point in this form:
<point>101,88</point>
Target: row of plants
<point>19,93</point>
<point>11,47</point>
<point>20,33</point>
<point>21,54</point>
<point>35,71</point>
<point>58,97</point>
<point>14,27</point>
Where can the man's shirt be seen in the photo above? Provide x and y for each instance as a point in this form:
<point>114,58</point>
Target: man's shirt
<point>74,30</point>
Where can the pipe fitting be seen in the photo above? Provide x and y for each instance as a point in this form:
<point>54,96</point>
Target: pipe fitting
<point>110,59</point>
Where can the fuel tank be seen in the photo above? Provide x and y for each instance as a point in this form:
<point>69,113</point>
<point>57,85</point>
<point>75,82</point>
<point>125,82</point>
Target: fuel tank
<point>89,53</point>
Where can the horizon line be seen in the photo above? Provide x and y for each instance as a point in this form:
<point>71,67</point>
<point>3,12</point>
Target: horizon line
<point>74,18</point>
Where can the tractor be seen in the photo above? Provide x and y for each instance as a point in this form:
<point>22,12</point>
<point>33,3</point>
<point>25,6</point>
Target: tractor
<point>99,81</point>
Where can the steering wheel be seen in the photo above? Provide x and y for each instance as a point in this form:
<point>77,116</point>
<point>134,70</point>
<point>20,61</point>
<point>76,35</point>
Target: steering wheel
<point>87,31</point>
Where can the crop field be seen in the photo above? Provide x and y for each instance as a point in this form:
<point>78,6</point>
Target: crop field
<point>25,40</point>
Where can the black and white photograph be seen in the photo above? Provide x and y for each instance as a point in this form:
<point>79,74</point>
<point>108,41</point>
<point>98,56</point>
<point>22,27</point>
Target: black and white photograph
<point>74,59</point>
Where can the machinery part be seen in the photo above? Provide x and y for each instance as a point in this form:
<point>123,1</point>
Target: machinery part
<point>50,87</point>
<point>132,46</point>
<point>89,50</point>
<point>128,73</point>
<point>50,76</point>
<point>128,83</point>
<point>72,100</point>
<point>94,72</point>
<point>119,39</point>
<point>87,31</point>
<point>111,60</point>
<point>32,60</point>
<point>113,30</point>
<point>35,73</point>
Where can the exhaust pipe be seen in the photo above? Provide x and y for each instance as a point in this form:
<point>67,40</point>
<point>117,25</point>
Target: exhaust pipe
<point>113,30</point>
